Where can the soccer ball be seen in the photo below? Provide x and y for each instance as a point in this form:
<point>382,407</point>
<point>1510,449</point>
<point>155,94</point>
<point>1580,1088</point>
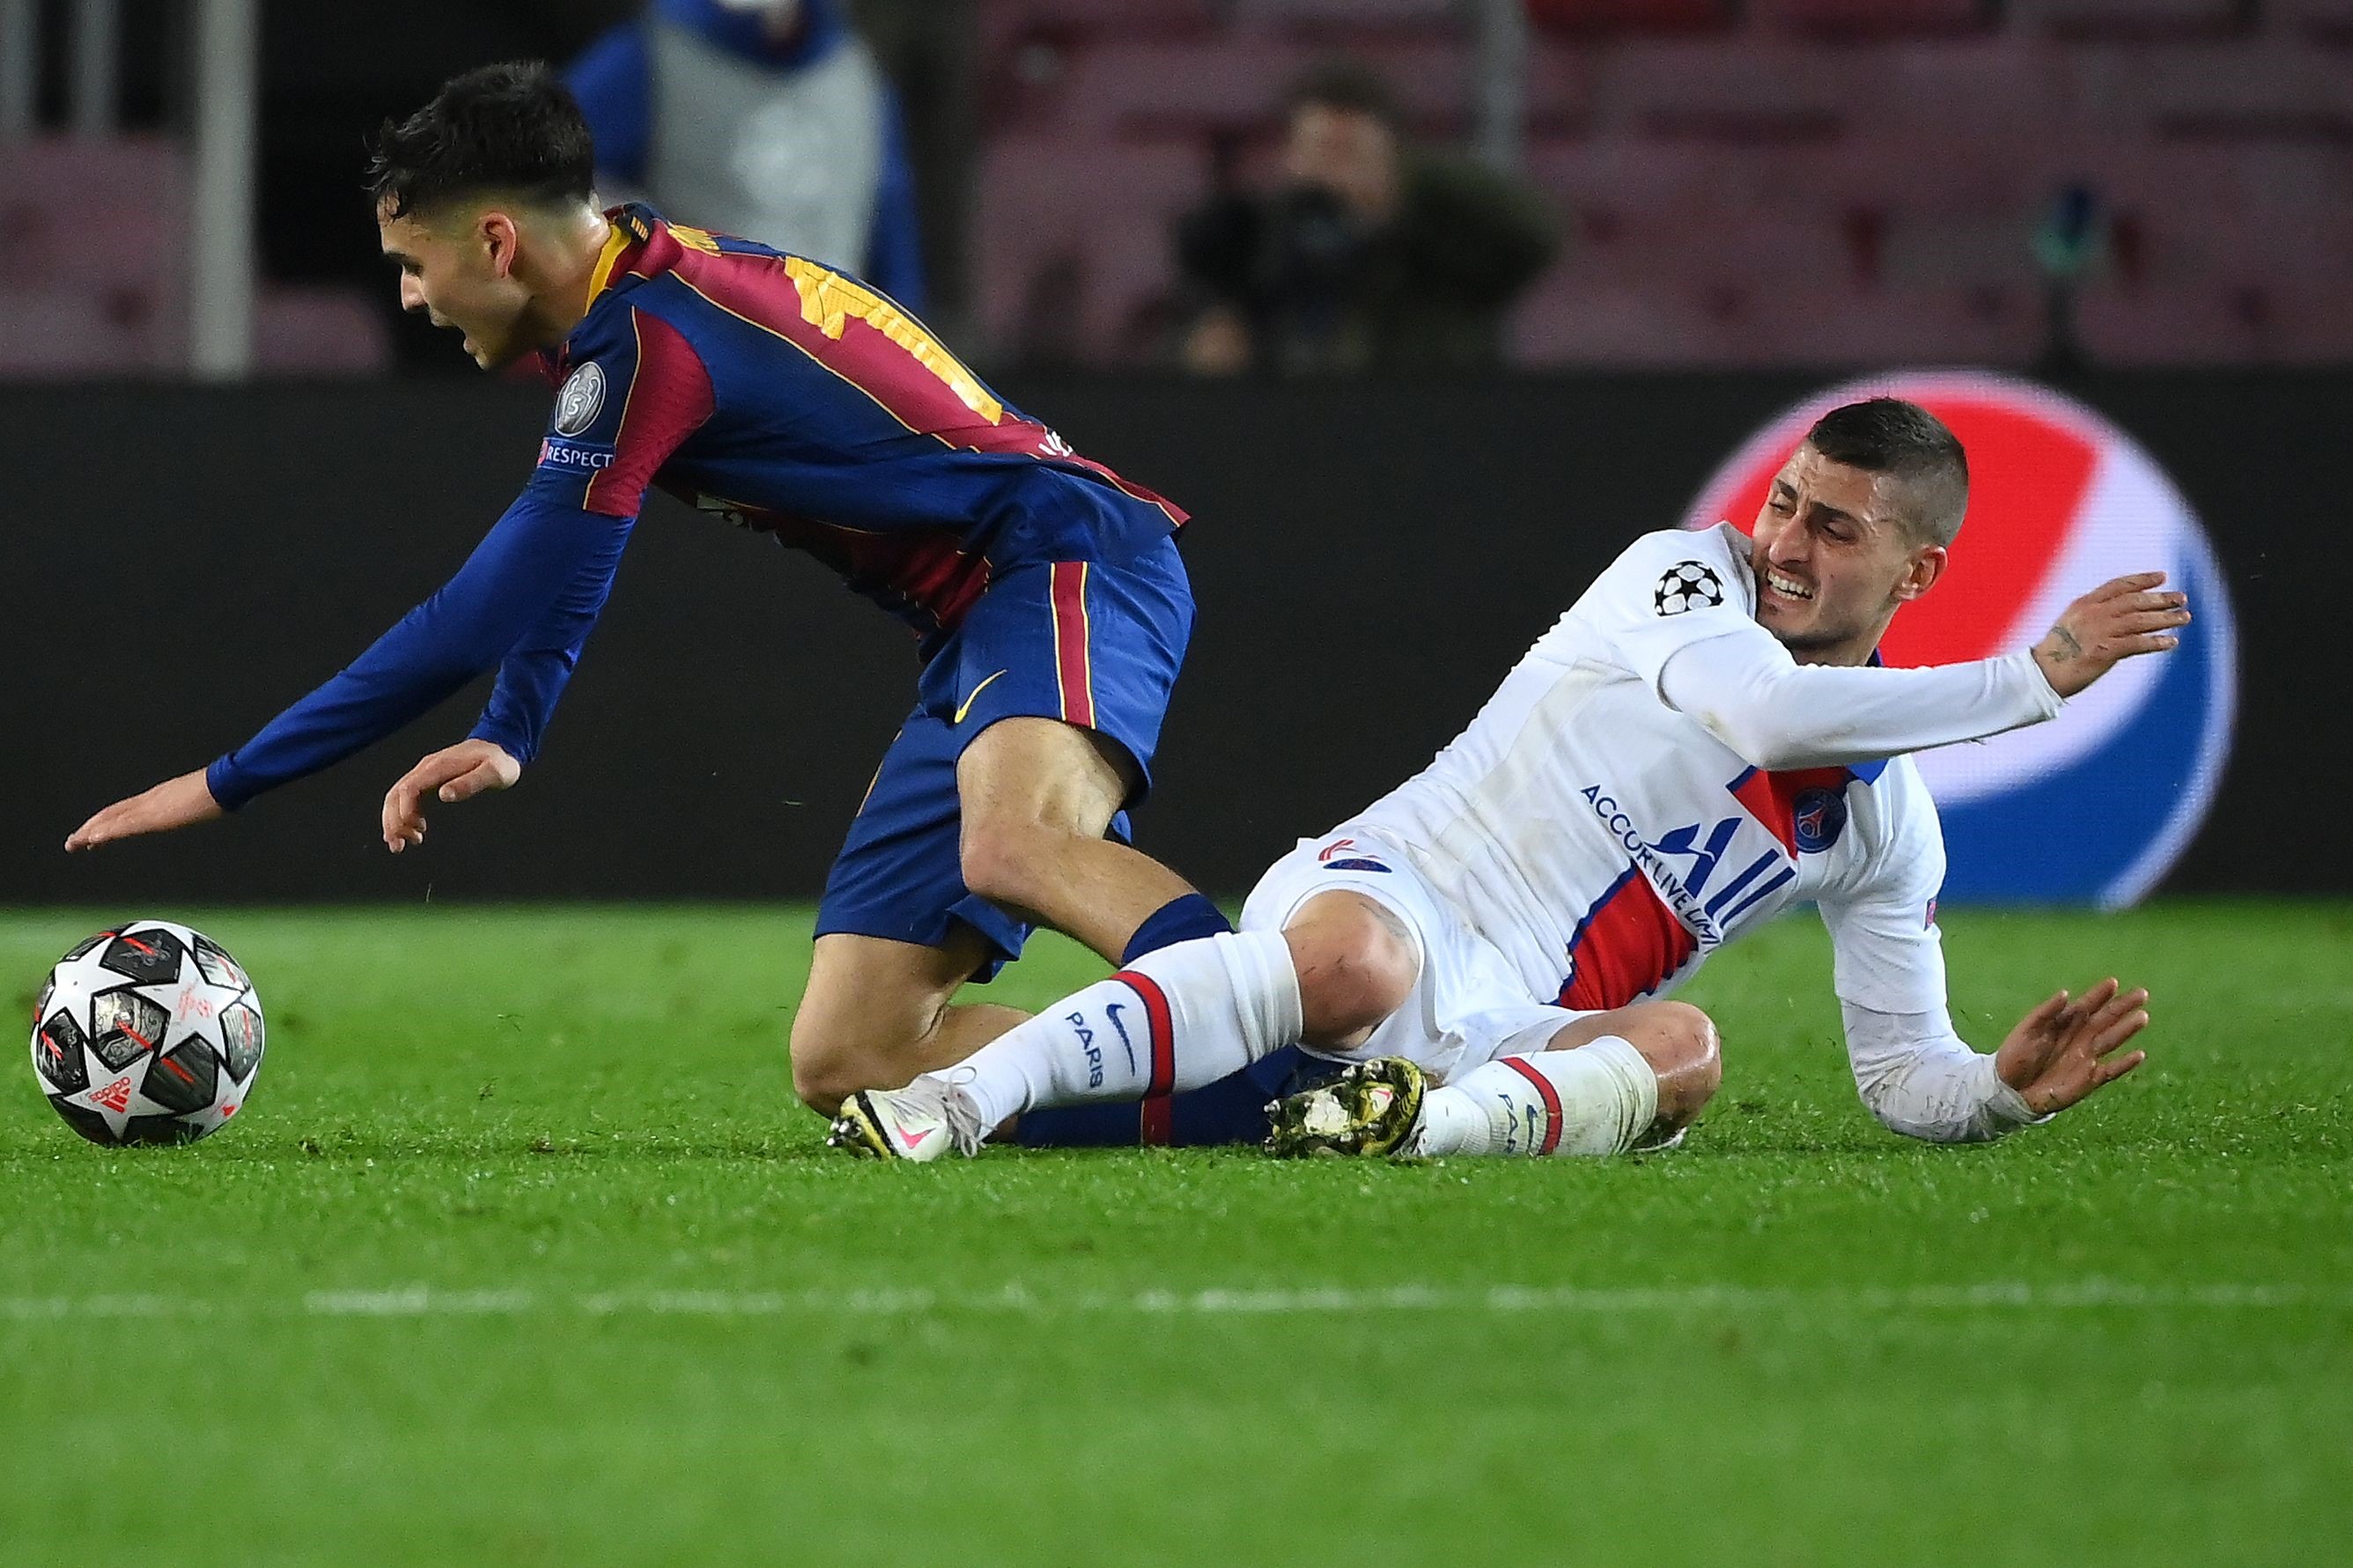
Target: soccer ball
<point>147,1033</point>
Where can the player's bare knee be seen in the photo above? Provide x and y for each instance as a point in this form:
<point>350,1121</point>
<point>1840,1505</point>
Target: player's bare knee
<point>1356,965</point>
<point>828,1065</point>
<point>1002,862</point>
<point>1680,1042</point>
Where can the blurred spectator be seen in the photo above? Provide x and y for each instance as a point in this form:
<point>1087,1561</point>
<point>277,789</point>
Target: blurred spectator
<point>767,119</point>
<point>2067,246</point>
<point>1372,255</point>
<point>927,48</point>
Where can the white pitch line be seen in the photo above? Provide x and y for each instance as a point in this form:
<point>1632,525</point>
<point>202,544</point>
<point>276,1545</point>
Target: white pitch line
<point>428,1301</point>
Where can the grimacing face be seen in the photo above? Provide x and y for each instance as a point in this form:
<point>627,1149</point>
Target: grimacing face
<point>458,266</point>
<point>1833,558</point>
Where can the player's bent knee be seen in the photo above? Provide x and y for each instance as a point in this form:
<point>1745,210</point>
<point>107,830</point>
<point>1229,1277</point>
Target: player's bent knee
<point>1357,965</point>
<point>1681,1043</point>
<point>827,1067</point>
<point>1001,862</point>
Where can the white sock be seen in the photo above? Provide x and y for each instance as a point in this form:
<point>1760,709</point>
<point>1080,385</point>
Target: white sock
<point>1594,1100</point>
<point>1185,1015</point>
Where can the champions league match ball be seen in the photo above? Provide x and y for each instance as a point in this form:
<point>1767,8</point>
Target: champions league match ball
<point>147,1033</point>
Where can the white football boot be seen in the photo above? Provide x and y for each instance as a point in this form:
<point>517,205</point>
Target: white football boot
<point>920,1123</point>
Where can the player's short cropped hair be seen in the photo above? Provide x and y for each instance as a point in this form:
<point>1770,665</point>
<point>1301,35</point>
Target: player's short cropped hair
<point>1889,436</point>
<point>1348,86</point>
<point>512,131</point>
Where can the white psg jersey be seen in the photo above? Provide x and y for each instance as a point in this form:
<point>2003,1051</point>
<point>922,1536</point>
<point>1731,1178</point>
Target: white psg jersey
<point>1607,842</point>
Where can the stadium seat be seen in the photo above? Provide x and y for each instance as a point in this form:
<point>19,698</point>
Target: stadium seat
<point>2262,324</point>
<point>1003,18</point>
<point>1239,84</point>
<point>301,331</point>
<point>1995,86</point>
<point>1564,322</point>
<point>1027,47</point>
<point>66,332</point>
<point>2267,91</point>
<point>1731,91</point>
<point>2129,19</point>
<point>2325,21</point>
<point>1355,17</point>
<point>1874,19</point>
<point>1591,16</point>
<point>93,213</point>
<point>1077,239</point>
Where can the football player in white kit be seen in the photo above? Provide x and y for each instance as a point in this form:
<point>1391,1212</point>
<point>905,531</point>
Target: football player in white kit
<point>1700,742</point>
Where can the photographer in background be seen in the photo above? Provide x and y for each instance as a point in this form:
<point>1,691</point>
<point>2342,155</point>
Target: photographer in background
<point>1372,257</point>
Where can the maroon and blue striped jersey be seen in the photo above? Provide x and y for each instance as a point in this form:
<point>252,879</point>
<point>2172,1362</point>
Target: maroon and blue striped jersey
<point>791,398</point>
<point>780,393</point>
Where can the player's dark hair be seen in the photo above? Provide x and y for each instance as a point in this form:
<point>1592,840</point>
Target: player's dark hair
<point>510,129</point>
<point>1889,436</point>
<point>1349,86</point>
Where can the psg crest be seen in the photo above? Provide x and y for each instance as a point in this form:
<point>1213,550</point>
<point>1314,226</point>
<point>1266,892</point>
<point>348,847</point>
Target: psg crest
<point>2097,806</point>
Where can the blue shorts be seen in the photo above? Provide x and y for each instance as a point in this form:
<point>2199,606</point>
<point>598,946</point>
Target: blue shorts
<point>1090,644</point>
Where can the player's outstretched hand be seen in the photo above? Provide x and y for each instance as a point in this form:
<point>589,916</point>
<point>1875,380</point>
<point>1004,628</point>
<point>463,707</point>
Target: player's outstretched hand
<point>453,773</point>
<point>174,803</point>
<point>2121,618</point>
<point>2065,1049</point>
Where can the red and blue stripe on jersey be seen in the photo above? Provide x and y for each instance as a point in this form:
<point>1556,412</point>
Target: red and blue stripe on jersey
<point>793,399</point>
<point>1630,943</point>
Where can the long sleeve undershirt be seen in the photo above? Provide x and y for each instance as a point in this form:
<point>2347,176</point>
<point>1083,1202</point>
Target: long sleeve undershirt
<point>1776,713</point>
<point>1922,1080</point>
<point>531,590</point>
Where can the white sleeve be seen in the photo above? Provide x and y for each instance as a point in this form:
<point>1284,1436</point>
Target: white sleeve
<point>1913,1072</point>
<point>1668,591</point>
<point>1922,1080</point>
<point>1776,713</point>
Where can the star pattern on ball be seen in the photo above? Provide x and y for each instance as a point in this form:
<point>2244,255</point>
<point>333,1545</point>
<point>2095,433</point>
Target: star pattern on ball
<point>132,1040</point>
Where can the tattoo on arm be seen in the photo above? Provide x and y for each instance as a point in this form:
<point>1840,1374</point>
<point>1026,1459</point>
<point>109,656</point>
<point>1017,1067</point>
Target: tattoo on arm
<point>2068,646</point>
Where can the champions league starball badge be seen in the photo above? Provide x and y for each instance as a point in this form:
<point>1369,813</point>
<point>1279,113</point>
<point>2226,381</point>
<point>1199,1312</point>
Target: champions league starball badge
<point>581,400</point>
<point>2097,806</point>
<point>1688,586</point>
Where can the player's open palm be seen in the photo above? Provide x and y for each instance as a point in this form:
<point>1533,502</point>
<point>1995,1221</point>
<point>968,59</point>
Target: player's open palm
<point>174,803</point>
<point>452,774</point>
<point>2121,618</point>
<point>2066,1047</point>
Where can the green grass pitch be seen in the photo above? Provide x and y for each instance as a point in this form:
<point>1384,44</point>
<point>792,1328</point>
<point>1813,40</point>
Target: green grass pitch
<point>523,1254</point>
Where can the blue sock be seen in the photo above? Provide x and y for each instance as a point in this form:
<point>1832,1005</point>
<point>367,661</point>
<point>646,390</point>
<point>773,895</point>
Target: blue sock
<point>1230,1110</point>
<point>1179,919</point>
<point>1227,1112</point>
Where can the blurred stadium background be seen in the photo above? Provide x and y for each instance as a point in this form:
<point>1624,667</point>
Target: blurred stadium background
<point>2147,202</point>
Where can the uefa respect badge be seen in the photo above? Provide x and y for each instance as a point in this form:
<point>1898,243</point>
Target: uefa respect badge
<point>2097,805</point>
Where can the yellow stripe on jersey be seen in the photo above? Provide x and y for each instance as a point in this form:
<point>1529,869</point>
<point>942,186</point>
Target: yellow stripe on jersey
<point>830,302</point>
<point>616,242</point>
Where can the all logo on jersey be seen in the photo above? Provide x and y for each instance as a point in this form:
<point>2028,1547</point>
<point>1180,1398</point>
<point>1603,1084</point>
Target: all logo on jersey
<point>1688,586</point>
<point>582,399</point>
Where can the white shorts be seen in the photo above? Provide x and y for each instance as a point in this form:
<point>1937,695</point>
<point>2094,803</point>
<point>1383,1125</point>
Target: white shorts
<point>1469,1005</point>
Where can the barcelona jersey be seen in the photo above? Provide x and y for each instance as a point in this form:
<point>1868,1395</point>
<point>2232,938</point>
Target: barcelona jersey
<point>790,398</point>
<point>793,399</point>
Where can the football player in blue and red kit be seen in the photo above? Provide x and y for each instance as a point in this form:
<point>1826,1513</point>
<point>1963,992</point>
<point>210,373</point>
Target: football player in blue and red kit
<point>786,396</point>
